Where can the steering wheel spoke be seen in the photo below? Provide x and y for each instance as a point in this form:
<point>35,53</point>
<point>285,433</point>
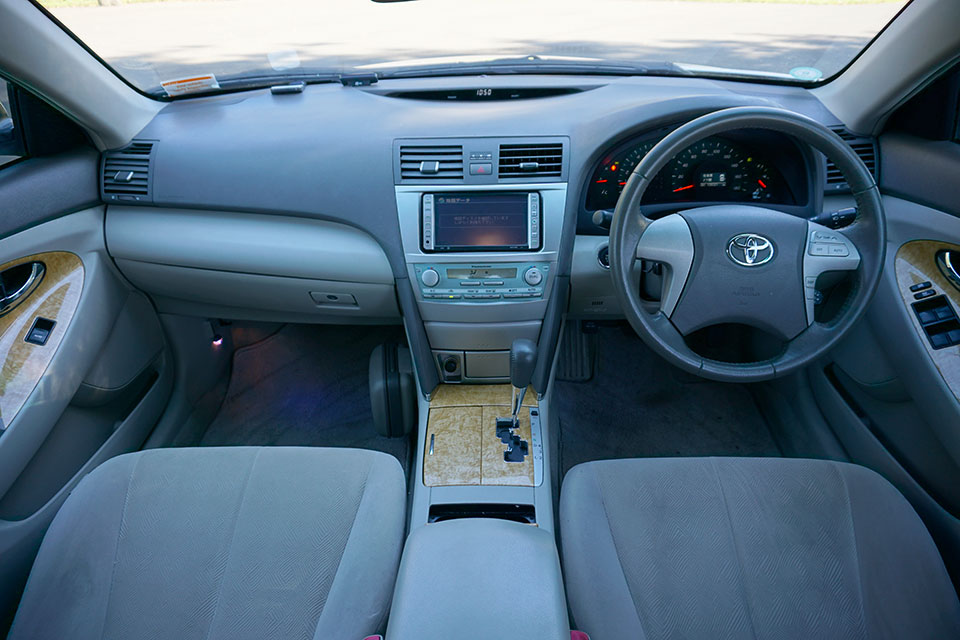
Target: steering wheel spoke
<point>669,242</point>
<point>826,250</point>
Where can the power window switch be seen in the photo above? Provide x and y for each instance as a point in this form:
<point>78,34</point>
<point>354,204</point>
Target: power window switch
<point>940,340</point>
<point>943,313</point>
<point>40,331</point>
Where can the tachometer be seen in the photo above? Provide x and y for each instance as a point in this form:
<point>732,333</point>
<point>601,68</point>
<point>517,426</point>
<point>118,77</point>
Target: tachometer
<point>610,177</point>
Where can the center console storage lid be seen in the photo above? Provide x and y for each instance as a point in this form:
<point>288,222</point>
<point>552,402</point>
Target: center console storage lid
<point>479,578</point>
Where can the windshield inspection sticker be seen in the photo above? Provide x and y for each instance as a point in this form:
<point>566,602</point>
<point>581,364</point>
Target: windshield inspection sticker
<point>283,60</point>
<point>193,84</point>
<point>806,73</point>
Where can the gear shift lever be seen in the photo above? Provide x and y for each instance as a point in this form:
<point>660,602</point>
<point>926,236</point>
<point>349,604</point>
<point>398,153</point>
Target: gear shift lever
<point>523,358</point>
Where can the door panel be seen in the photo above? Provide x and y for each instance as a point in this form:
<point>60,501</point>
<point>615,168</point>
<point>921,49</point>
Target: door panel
<point>93,390</point>
<point>31,331</point>
<point>889,396</point>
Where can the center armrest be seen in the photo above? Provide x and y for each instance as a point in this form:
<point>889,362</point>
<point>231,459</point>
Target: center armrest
<point>479,578</point>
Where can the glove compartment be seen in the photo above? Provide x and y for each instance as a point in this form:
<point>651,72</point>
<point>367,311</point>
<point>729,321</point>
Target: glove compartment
<point>252,266</point>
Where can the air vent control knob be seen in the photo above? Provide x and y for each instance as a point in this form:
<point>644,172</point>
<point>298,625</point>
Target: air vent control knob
<point>533,276</point>
<point>430,277</point>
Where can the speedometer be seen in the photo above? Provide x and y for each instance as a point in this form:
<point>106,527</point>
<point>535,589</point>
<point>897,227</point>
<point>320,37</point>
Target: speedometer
<point>715,170</point>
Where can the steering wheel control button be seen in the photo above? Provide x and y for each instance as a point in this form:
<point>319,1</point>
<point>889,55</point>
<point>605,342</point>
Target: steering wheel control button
<point>826,236</point>
<point>533,276</point>
<point>838,250</point>
<point>750,249</point>
<point>430,277</point>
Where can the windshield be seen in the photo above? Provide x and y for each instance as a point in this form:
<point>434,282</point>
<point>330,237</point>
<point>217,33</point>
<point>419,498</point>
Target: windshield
<point>178,47</point>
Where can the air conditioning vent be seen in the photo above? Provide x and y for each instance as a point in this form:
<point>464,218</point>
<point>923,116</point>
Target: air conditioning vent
<point>866,148</point>
<point>126,173</point>
<point>531,160</point>
<point>431,162</point>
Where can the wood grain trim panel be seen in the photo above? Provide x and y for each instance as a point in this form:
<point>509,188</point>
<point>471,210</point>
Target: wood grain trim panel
<point>478,395</point>
<point>56,298</point>
<point>916,262</point>
<point>455,433</point>
<point>466,449</point>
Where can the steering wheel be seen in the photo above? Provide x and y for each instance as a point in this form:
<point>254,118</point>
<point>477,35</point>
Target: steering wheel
<point>745,264</point>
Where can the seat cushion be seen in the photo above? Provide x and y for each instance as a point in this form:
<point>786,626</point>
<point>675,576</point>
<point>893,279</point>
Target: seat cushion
<point>234,542</point>
<point>748,548</point>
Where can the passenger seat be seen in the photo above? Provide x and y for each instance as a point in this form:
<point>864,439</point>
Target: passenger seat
<point>234,542</point>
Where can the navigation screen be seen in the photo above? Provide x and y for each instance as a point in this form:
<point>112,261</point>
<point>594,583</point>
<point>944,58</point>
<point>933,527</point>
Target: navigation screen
<point>488,221</point>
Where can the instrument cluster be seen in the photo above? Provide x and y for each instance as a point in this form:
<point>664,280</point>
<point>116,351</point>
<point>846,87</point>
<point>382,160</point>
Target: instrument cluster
<point>714,170</point>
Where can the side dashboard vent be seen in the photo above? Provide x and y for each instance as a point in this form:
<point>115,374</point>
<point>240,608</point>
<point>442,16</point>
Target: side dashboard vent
<point>126,173</point>
<point>431,162</point>
<point>531,160</point>
<point>866,148</point>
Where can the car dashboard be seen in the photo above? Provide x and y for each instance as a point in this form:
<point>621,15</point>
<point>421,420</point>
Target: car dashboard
<point>471,221</point>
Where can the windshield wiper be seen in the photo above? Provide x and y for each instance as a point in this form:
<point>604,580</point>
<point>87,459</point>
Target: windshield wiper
<point>535,65</point>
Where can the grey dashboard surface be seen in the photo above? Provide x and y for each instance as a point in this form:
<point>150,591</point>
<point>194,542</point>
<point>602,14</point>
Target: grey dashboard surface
<point>328,153</point>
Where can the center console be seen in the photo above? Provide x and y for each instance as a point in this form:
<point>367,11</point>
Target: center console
<point>480,222</point>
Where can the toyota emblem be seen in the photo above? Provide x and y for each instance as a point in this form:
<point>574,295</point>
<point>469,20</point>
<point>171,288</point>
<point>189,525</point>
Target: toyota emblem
<point>750,249</point>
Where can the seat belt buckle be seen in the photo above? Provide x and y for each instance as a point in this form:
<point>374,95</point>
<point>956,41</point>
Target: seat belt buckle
<point>578,635</point>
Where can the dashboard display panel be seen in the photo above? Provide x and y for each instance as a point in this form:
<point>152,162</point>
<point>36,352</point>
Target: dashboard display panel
<point>481,222</point>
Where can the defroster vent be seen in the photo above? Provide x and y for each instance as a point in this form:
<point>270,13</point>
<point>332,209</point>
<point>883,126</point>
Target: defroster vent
<point>126,174</point>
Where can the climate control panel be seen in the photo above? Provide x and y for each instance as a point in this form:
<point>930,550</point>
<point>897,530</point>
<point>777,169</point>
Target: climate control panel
<point>482,283</point>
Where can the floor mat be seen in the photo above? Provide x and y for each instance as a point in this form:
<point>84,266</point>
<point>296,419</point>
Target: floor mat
<point>305,385</point>
<point>638,406</point>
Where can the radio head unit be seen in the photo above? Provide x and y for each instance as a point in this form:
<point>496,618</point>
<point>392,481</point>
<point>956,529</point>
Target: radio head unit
<point>480,221</point>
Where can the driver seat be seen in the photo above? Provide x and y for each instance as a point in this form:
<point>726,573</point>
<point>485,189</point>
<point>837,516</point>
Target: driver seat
<point>753,548</point>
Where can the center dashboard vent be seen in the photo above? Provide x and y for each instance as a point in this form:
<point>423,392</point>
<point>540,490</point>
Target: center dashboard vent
<point>431,162</point>
<point>865,147</point>
<point>531,160</point>
<point>126,174</point>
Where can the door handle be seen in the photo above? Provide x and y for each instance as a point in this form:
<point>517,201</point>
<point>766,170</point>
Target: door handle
<point>949,264</point>
<point>16,283</point>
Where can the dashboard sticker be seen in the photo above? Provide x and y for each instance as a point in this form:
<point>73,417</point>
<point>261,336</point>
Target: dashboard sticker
<point>193,84</point>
